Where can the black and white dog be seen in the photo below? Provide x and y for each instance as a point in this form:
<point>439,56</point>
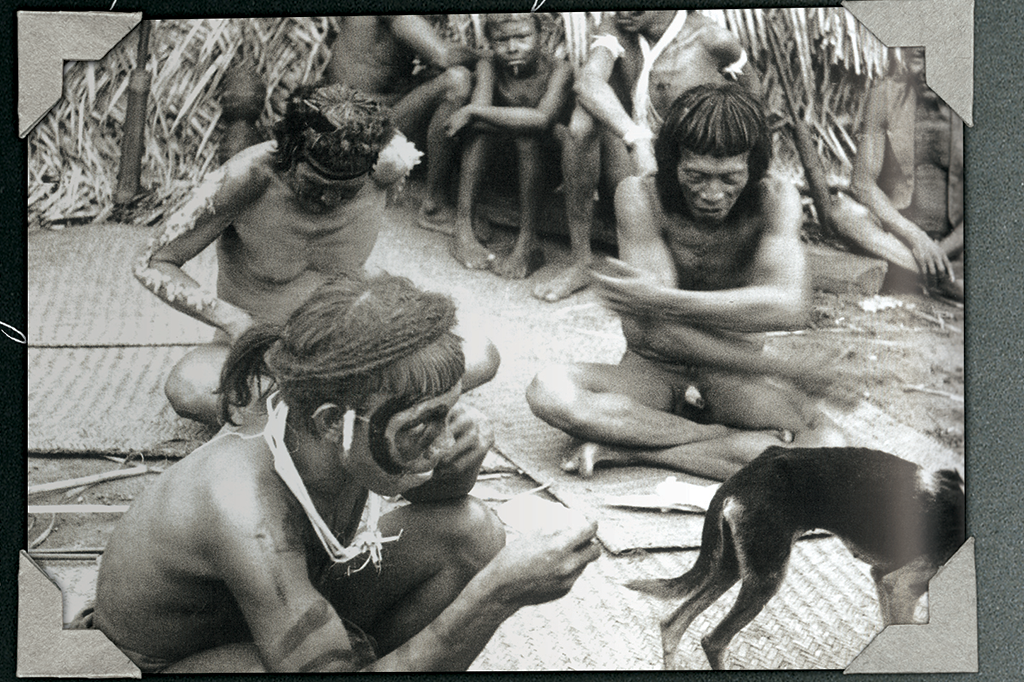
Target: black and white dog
<point>901,519</point>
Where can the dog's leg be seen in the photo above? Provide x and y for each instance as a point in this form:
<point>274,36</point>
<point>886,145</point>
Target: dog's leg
<point>755,592</point>
<point>714,572</point>
<point>762,554</point>
<point>900,590</point>
<point>716,583</point>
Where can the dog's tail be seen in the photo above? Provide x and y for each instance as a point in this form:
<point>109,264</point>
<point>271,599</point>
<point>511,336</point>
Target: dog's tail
<point>713,543</point>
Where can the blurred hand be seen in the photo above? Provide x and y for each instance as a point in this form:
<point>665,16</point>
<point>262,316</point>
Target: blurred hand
<point>625,288</point>
<point>470,438</point>
<point>931,261</point>
<point>544,566</point>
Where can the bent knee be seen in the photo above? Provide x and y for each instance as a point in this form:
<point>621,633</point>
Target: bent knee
<point>458,83</point>
<point>482,362</point>
<point>473,532</point>
<point>553,393</point>
<point>581,126</point>
<point>191,397</point>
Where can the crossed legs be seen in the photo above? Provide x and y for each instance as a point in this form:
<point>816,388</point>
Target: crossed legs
<point>631,411</point>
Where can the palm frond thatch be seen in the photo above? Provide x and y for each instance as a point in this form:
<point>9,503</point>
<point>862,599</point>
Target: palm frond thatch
<point>74,152</point>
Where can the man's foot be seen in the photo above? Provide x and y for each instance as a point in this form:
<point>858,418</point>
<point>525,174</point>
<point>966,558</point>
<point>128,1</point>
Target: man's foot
<point>435,216</point>
<point>468,251</point>
<point>520,264</point>
<point>565,283</point>
<point>588,455</point>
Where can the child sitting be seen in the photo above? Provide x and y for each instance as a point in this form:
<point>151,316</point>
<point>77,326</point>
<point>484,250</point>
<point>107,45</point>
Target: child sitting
<point>520,93</point>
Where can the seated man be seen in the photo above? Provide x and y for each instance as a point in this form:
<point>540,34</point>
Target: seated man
<point>519,94</point>
<point>908,173</point>
<point>712,255</point>
<point>286,216</point>
<point>247,555</point>
<point>638,64</point>
<point>376,55</point>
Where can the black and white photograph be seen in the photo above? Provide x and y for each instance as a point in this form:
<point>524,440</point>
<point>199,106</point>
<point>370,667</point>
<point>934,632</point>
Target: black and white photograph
<point>540,341</point>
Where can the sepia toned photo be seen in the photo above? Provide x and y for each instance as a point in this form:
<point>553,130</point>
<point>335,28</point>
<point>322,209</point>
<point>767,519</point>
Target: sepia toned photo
<point>611,340</point>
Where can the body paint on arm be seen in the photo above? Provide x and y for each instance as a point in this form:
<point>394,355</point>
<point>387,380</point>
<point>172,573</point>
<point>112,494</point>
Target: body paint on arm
<point>199,205</point>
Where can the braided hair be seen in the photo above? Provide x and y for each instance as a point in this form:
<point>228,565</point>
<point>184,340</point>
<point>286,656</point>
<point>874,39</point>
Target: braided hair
<point>337,129</point>
<point>718,120</point>
<point>353,338</point>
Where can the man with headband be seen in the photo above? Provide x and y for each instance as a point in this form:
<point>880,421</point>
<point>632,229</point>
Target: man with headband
<point>286,215</point>
<point>266,549</point>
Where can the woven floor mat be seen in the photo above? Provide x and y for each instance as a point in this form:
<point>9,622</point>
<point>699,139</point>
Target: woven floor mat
<point>823,616</point>
<point>81,291</point>
<point>107,400</point>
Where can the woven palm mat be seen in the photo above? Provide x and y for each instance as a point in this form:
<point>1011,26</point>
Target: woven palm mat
<point>81,291</point>
<point>823,616</point>
<point>107,400</point>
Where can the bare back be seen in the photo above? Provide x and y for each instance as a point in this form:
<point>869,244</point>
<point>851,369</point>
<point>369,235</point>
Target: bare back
<point>367,56</point>
<point>163,588</point>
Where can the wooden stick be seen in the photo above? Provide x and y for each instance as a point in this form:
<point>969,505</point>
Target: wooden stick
<point>35,554</point>
<point>77,508</point>
<point>932,391</point>
<point>45,534</point>
<point>87,480</point>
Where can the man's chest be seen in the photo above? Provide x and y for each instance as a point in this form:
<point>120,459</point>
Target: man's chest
<point>712,259</point>
<point>279,240</point>
<point>522,92</point>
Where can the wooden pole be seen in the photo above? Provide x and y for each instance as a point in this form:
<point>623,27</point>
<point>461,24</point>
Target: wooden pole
<point>804,142</point>
<point>132,144</point>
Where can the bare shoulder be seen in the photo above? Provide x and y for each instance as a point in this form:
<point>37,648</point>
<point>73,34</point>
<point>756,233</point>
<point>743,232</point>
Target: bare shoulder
<point>716,39</point>
<point>227,190</point>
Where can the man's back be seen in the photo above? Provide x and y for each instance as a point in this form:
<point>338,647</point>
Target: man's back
<point>159,591</point>
<point>367,56</point>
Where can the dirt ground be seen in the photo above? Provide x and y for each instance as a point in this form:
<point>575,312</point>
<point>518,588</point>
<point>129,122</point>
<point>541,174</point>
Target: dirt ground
<point>902,351</point>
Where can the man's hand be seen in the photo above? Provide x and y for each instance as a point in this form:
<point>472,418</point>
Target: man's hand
<point>544,566</point>
<point>459,120</point>
<point>455,474</point>
<point>931,261</point>
<point>625,288</point>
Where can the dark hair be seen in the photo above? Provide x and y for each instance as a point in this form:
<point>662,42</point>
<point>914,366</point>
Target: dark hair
<point>337,128</point>
<point>352,338</point>
<point>718,120</point>
<point>503,17</point>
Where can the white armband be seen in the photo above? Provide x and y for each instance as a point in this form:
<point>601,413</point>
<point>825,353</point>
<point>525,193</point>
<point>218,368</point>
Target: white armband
<point>637,133</point>
<point>736,68</point>
<point>610,43</point>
